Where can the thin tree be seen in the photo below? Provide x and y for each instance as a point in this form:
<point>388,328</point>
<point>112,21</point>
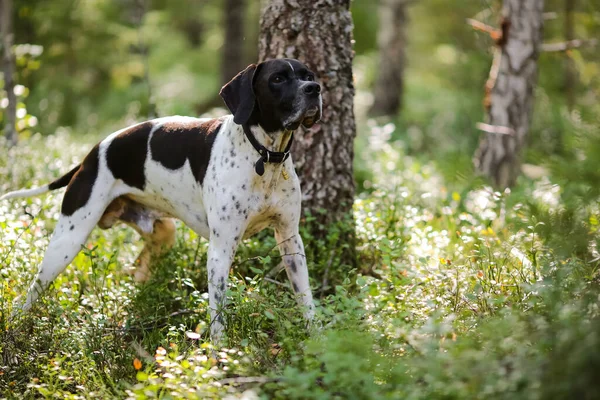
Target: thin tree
<point>8,69</point>
<point>391,40</point>
<point>510,92</point>
<point>233,60</point>
<point>140,9</point>
<point>570,74</point>
<point>319,33</point>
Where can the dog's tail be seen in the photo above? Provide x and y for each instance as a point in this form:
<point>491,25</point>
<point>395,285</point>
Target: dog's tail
<point>57,184</point>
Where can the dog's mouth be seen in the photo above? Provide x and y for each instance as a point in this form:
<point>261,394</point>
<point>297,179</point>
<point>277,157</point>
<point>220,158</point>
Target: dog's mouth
<point>311,117</point>
<point>308,118</point>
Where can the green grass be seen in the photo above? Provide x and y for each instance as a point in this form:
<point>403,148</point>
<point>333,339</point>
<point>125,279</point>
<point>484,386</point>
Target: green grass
<point>458,293</point>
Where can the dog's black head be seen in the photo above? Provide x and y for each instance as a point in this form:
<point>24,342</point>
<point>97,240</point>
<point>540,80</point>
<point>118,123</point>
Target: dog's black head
<point>276,94</point>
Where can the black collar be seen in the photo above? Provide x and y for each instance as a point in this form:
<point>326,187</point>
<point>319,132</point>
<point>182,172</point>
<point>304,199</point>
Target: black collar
<point>266,155</point>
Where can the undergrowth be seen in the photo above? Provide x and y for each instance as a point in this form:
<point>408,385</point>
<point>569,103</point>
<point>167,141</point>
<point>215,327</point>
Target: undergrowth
<point>458,292</point>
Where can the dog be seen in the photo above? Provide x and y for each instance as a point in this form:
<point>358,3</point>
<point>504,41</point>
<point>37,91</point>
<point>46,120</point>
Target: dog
<point>226,178</point>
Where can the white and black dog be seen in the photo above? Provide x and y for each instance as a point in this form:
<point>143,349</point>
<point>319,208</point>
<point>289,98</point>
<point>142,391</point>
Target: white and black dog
<point>225,178</point>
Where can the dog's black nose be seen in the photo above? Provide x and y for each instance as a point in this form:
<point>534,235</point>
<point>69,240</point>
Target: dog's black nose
<point>312,88</point>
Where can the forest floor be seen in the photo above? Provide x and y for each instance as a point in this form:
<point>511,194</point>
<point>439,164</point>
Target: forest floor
<point>460,292</point>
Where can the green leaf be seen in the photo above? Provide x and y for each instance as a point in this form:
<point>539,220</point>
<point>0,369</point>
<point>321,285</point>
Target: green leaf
<point>141,376</point>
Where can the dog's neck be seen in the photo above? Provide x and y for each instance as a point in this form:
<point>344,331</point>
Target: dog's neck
<point>274,141</point>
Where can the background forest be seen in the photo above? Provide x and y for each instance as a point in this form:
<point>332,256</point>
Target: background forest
<point>457,289</point>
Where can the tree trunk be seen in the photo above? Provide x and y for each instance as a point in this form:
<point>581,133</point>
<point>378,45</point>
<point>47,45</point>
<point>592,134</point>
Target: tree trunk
<point>319,34</point>
<point>391,41</point>
<point>233,60</point>
<point>511,91</point>
<point>8,69</point>
<point>570,78</point>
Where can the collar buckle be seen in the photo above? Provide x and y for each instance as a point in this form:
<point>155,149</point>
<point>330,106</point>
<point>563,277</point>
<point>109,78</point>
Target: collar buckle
<point>266,155</point>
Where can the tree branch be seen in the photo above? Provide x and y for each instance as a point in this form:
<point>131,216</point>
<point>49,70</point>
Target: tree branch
<point>494,33</point>
<point>568,45</point>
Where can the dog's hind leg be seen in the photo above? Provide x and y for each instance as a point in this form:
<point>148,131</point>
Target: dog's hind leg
<point>85,200</point>
<point>157,230</point>
<point>157,243</point>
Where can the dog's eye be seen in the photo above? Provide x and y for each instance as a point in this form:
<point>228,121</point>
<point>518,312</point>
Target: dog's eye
<point>310,77</point>
<point>277,79</point>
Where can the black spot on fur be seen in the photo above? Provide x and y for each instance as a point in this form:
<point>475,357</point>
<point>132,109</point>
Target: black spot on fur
<point>126,155</point>
<point>72,227</point>
<point>295,287</point>
<point>80,188</point>
<point>293,266</point>
<point>175,142</point>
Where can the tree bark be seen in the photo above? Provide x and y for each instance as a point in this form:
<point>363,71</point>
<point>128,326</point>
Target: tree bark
<point>511,91</point>
<point>570,77</point>
<point>319,34</point>
<point>233,60</point>
<point>391,41</point>
<point>8,69</point>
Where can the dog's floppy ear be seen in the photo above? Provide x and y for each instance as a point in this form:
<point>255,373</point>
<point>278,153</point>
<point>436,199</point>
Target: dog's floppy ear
<point>238,94</point>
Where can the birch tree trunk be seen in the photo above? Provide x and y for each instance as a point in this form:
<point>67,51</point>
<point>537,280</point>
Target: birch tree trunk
<point>391,41</point>
<point>8,69</point>
<point>511,92</point>
<point>319,34</point>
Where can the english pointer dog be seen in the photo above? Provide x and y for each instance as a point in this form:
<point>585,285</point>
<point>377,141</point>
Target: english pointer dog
<point>226,178</point>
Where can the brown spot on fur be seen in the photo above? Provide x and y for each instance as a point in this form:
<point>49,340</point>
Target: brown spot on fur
<point>126,155</point>
<point>174,143</point>
<point>80,187</point>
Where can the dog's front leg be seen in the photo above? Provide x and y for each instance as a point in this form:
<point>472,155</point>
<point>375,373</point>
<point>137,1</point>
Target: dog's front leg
<point>220,257</point>
<point>294,259</point>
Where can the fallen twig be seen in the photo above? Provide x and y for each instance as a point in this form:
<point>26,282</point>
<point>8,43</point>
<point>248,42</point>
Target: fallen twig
<point>275,282</point>
<point>247,379</point>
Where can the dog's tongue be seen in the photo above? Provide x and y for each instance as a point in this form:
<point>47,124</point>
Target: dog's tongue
<point>308,121</point>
